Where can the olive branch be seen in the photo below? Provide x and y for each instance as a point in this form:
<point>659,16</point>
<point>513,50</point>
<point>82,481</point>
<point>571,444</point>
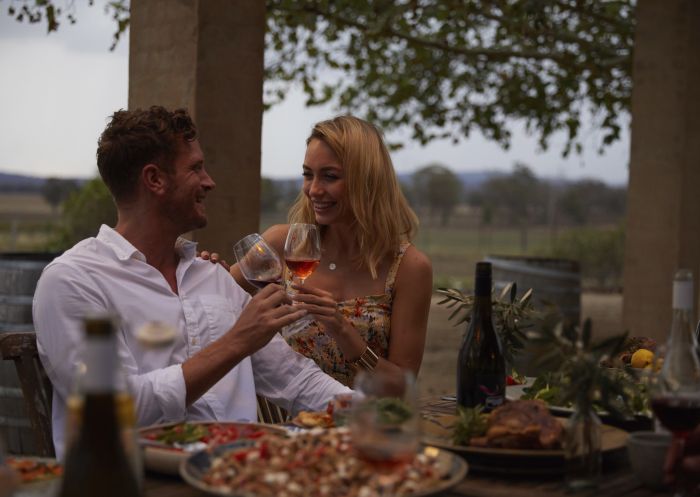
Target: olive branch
<point>512,317</point>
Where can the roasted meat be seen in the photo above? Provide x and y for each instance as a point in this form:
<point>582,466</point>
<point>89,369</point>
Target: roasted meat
<point>522,424</point>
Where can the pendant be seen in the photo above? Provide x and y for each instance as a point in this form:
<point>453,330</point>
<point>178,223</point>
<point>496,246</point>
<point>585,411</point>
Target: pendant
<point>332,266</point>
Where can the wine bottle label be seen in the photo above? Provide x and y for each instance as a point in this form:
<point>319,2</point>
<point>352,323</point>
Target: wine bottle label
<point>493,401</point>
<point>683,294</point>
<point>101,363</point>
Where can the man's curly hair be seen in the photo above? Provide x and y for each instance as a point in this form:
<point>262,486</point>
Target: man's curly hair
<point>134,138</point>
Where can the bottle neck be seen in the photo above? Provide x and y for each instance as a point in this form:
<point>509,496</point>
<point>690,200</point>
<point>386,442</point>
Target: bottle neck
<point>100,365</point>
<point>683,295</point>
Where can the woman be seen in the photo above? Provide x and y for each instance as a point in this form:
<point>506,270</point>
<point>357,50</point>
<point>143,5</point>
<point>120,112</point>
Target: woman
<point>370,294</point>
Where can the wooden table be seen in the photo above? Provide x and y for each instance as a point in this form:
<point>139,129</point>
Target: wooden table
<point>615,481</point>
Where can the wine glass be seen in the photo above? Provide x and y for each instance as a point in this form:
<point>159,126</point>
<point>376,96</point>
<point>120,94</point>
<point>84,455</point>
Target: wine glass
<point>259,263</point>
<point>302,253</point>
<point>302,250</point>
<point>675,399</point>
<point>384,421</point>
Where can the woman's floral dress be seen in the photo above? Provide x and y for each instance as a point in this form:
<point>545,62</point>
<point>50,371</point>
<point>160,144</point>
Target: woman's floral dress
<point>371,318</point>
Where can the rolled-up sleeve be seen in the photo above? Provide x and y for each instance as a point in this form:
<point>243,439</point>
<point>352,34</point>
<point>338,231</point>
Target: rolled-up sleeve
<point>291,380</point>
<point>159,395</point>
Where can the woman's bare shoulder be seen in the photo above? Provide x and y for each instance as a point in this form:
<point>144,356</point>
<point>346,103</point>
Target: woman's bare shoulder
<point>415,266</point>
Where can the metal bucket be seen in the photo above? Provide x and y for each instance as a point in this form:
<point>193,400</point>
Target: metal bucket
<point>19,273</point>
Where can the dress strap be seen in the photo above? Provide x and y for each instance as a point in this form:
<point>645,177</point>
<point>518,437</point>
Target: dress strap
<point>391,277</point>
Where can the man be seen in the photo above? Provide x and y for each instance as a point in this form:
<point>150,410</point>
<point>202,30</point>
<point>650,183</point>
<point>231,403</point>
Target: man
<point>226,347</point>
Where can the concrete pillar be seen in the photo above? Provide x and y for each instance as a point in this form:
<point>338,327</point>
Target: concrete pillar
<point>663,207</point>
<point>207,56</point>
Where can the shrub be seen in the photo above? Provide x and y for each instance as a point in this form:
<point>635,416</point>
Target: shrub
<point>599,251</point>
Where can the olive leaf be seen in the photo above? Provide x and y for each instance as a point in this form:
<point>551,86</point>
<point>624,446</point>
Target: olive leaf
<point>512,317</point>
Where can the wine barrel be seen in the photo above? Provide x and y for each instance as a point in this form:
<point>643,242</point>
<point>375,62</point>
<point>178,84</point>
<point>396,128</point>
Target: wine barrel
<point>555,282</point>
<point>19,273</point>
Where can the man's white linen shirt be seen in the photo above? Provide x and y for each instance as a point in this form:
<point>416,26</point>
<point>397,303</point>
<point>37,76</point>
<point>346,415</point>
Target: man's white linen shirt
<point>108,274</point>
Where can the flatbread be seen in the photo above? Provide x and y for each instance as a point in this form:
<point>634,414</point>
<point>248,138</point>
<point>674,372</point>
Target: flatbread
<point>313,419</point>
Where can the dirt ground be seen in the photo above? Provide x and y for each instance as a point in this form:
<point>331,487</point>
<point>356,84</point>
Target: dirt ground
<point>438,372</point>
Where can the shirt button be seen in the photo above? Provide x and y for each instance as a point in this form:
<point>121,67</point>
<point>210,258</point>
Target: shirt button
<point>194,341</point>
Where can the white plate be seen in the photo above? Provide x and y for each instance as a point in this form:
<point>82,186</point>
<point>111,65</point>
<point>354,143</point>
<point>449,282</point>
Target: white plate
<point>167,459</point>
<point>196,465</point>
<point>44,487</point>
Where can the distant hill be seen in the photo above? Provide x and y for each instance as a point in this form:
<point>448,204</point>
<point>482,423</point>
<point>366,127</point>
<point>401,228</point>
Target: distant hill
<point>19,183</point>
<point>28,184</point>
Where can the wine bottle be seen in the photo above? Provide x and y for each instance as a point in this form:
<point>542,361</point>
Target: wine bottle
<point>681,348</point>
<point>96,464</point>
<point>481,368</point>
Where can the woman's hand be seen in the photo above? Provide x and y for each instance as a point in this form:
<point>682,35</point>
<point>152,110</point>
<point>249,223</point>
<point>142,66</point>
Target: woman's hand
<point>322,306</point>
<point>213,257</point>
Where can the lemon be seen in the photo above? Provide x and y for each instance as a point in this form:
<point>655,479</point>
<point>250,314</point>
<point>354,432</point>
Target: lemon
<point>642,358</point>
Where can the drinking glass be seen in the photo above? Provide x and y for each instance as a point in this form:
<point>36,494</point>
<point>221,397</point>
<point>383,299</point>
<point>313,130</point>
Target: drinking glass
<point>384,421</point>
<point>259,263</point>
<point>302,253</point>
<point>675,399</point>
<point>302,250</point>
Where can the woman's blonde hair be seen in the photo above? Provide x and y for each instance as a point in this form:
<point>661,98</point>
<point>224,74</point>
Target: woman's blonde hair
<point>382,217</point>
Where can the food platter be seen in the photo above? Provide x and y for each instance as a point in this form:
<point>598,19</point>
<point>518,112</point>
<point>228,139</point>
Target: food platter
<point>166,456</point>
<point>39,475</point>
<point>437,431</point>
<point>515,392</point>
<point>638,421</point>
<point>451,470</point>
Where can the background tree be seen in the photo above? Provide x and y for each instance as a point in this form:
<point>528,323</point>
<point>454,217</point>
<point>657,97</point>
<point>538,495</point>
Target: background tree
<point>519,196</point>
<point>443,69</point>
<point>436,187</point>
<point>56,190</point>
<point>588,200</point>
<point>269,195</point>
<point>83,213</point>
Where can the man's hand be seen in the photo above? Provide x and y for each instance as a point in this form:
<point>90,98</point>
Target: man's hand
<point>684,458</point>
<point>264,315</point>
<point>268,311</point>
<point>213,257</point>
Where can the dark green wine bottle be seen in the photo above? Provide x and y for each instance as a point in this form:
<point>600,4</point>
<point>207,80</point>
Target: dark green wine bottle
<point>481,368</point>
<point>96,464</point>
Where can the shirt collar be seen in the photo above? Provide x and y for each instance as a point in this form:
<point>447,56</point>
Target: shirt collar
<point>124,250</point>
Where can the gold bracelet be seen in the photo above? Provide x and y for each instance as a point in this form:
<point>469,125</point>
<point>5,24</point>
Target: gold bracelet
<point>368,360</point>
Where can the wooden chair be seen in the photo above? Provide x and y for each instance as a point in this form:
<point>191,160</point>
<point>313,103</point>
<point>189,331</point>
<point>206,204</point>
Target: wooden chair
<point>270,413</point>
<point>21,348</point>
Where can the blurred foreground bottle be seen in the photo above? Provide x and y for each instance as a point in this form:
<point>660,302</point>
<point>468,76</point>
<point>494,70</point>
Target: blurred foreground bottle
<point>96,463</point>
<point>481,368</point>
<point>681,348</point>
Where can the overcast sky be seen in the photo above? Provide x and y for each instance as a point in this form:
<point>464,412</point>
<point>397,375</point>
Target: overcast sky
<point>57,90</point>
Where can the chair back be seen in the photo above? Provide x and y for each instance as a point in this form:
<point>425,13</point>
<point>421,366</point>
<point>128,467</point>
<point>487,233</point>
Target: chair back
<point>270,413</point>
<point>20,347</point>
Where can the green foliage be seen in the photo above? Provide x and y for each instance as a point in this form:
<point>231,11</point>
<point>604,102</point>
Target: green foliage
<point>591,200</point>
<point>56,190</point>
<point>600,252</point>
<point>582,381</point>
<point>443,69</point>
<point>437,188</point>
<point>512,317</point>
<point>471,422</point>
<point>269,195</point>
<point>83,213</point>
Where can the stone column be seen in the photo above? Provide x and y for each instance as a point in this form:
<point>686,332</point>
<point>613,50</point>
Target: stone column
<point>663,207</point>
<point>207,56</point>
